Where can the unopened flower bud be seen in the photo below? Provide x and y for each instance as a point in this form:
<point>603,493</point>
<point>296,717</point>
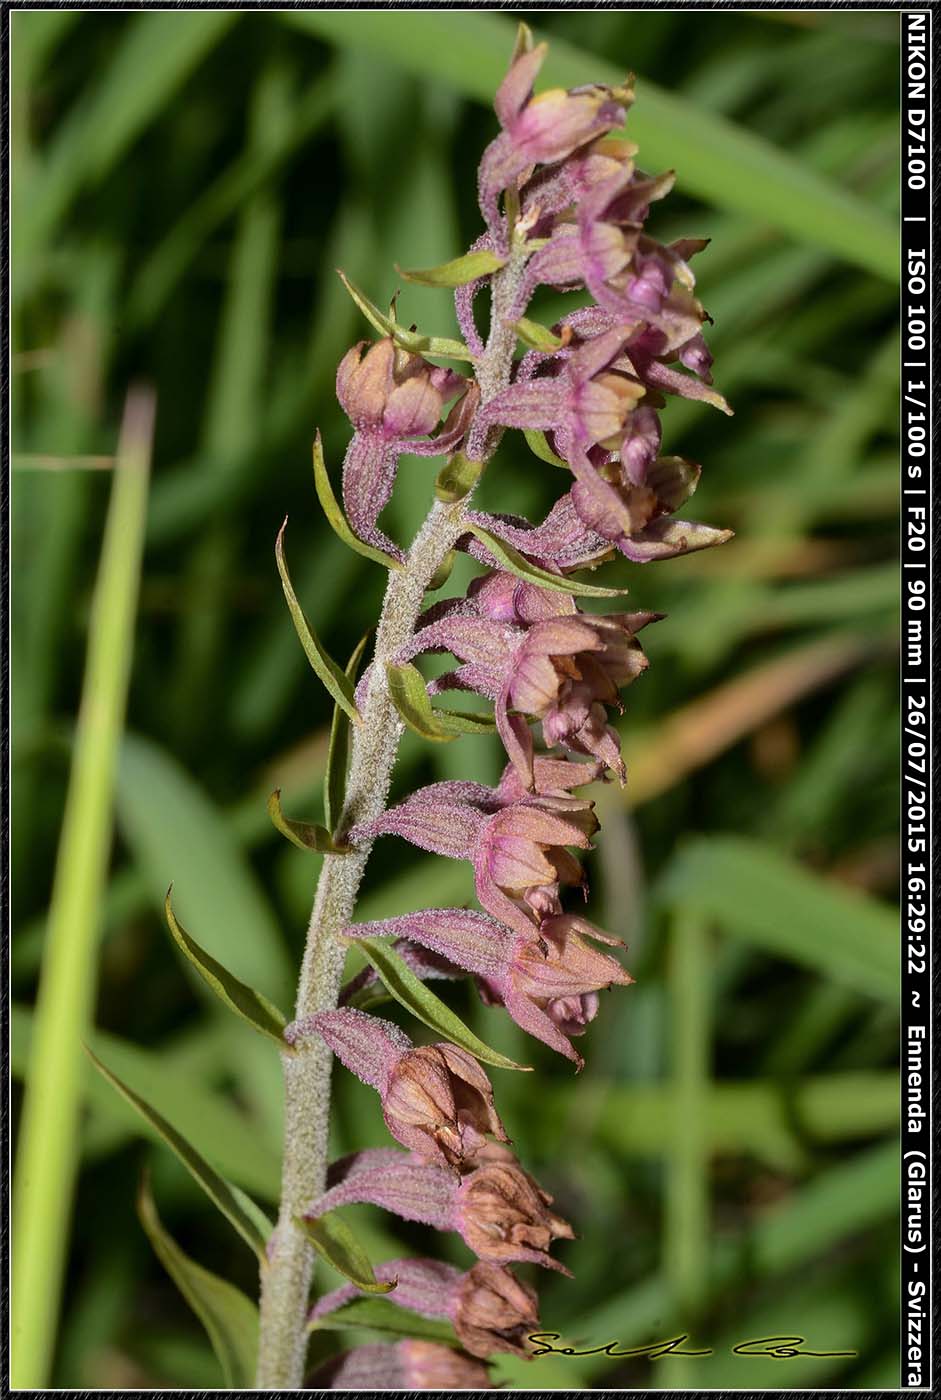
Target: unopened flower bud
<point>394,400</point>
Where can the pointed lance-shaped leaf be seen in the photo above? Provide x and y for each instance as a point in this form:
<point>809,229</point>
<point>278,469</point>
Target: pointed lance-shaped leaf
<point>537,337</point>
<point>443,572</point>
<point>338,748</point>
<point>416,997</point>
<point>457,478</point>
<point>537,443</point>
<point>519,565</point>
<point>523,42</point>
<point>252,1006</point>
<point>334,513</point>
<point>326,668</point>
<point>336,1243</point>
<point>457,272</point>
<point>409,696</point>
<point>240,1210</point>
<point>230,1319</point>
<point>418,344</point>
<point>307,836</point>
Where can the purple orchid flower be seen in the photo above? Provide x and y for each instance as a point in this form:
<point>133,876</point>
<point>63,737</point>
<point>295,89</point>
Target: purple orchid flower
<point>532,652</point>
<point>517,848</point>
<point>548,985</point>
<point>488,1306</point>
<point>436,1099</point>
<point>497,1208</point>
<point>540,130</point>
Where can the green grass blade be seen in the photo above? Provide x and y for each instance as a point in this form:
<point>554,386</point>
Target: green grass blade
<point>230,1319</point>
<point>790,1235</point>
<point>757,894</point>
<point>48,1146</point>
<point>249,1222</point>
<point>686,1226</point>
<point>164,267</point>
<point>724,164</point>
<point>214,1126</point>
<point>178,836</point>
<point>156,53</point>
<point>763,1119</point>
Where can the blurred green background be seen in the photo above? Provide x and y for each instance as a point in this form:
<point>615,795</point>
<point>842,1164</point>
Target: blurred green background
<point>184,185</point>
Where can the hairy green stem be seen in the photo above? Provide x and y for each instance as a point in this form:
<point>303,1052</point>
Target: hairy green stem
<point>286,1279</point>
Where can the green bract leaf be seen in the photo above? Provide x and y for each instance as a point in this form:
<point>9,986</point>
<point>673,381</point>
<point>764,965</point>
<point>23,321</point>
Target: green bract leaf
<point>383,1315</point>
<point>523,43</point>
<point>457,478</point>
<point>415,996</point>
<point>240,1210</point>
<point>409,696</point>
<point>457,272</point>
<point>517,564</point>
<point>326,668</point>
<point>338,749</point>
<point>537,337</point>
<point>538,443</point>
<point>230,1319</point>
<point>252,1006</point>
<point>443,572</point>
<point>334,513</point>
<point>409,340</point>
<point>335,1242</point>
<point>307,836</point>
